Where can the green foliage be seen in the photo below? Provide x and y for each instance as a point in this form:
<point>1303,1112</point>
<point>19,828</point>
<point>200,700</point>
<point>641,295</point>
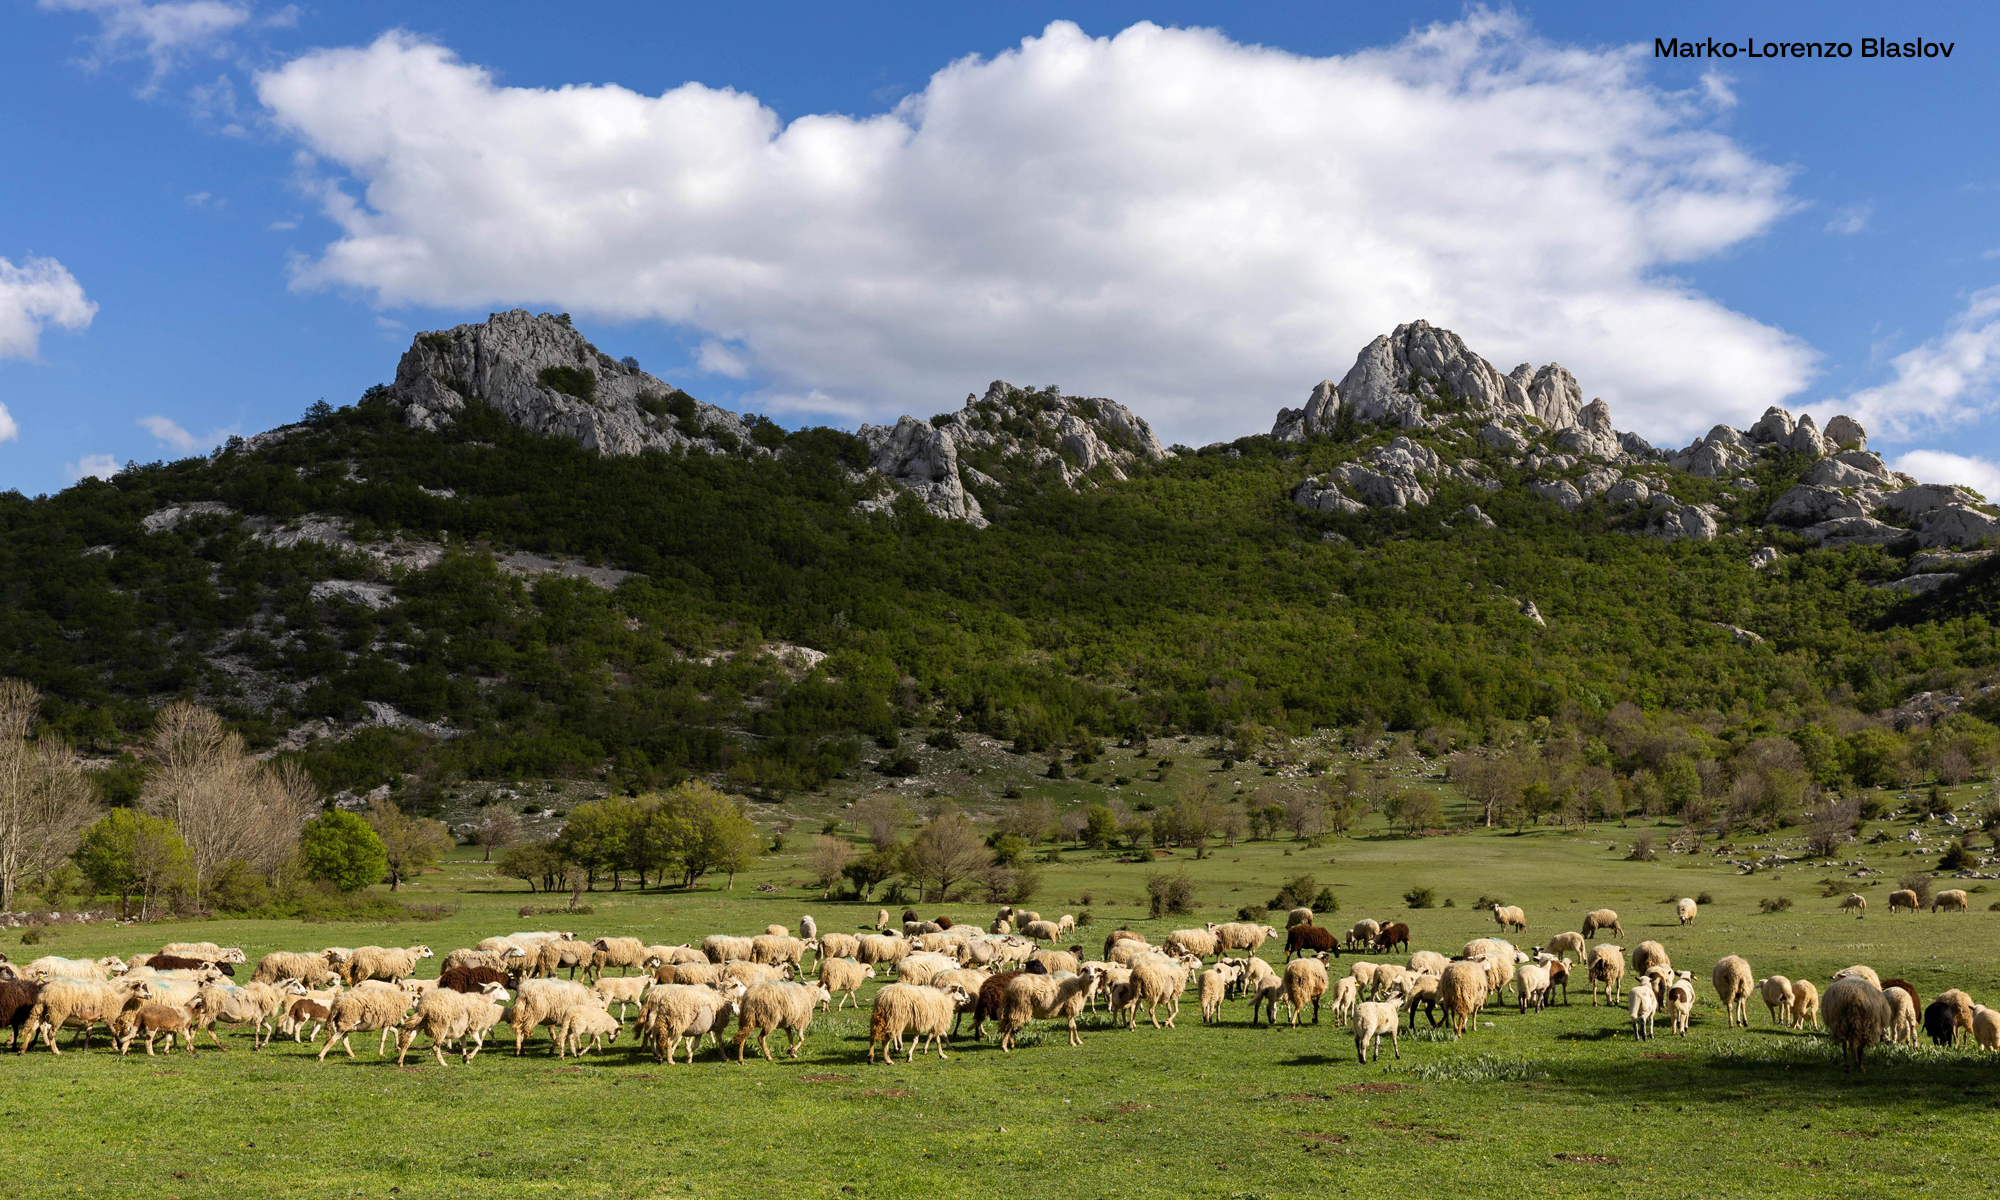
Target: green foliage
<point>126,853</point>
<point>1420,897</point>
<point>1957,857</point>
<point>340,849</point>
<point>570,381</point>
<point>1169,895</point>
<point>1774,905</point>
<point>410,844</point>
<point>1296,892</point>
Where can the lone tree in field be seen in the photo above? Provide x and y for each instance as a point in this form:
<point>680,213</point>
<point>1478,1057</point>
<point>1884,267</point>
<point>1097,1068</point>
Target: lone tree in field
<point>828,858</point>
<point>127,853</point>
<point>497,828</point>
<point>947,851</point>
<point>45,798</point>
<point>410,844</point>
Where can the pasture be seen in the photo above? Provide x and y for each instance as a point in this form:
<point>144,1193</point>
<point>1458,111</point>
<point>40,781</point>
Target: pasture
<point>1564,1102</point>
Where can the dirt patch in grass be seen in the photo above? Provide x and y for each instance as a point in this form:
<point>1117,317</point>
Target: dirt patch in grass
<point>1588,1160</point>
<point>888,1093</point>
<point>820,1078</point>
<point>1131,1106</point>
<point>1375,1088</point>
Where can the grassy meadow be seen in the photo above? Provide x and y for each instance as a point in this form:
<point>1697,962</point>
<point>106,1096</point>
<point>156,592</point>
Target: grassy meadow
<point>1564,1102</point>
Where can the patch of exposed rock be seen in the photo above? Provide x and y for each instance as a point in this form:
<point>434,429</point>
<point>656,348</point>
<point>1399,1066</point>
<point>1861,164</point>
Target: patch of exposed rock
<point>1419,375</point>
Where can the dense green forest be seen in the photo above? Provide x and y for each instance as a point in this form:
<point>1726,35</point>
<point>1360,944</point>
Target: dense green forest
<point>1192,597</point>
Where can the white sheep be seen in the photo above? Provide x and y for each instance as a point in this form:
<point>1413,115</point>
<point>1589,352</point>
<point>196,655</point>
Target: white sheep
<point>1510,916</point>
<point>1045,997</point>
<point>1903,1019</point>
<point>1606,967</point>
<point>81,1004</point>
<point>1374,1018</point>
<point>1363,933</point>
<point>624,991</point>
<point>583,1022</point>
<point>775,1005</point>
<point>924,1014</point>
<point>1428,962</point>
<point>313,970</point>
<point>1213,988</point>
<point>1566,943</point>
<point>1805,1004</point>
<point>837,945</point>
<point>1246,936</point>
<point>1857,904</point>
<point>1686,909</point>
<point>446,1016</point>
<point>881,950</point>
<point>721,948</point>
<point>542,1002</point>
<point>1598,920</point>
<point>1733,981</point>
<point>390,965</point>
<point>1202,943</point>
<point>1342,997</point>
<point>1776,992</point>
<point>1857,1016</point>
<point>1951,900</point>
<point>1305,980</point>
<point>843,977</point>
<point>677,1013</point>
<point>364,1010</point>
<point>1985,1027</point>
<point>1531,987</point>
<point>1461,993</point>
<point>1645,1005</point>
<point>1680,1001</point>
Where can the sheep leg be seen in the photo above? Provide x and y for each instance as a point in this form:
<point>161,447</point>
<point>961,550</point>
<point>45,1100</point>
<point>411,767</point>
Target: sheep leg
<point>1075,1038</point>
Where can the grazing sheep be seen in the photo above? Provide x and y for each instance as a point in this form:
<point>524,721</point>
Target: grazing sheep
<point>1857,1017</point>
<point>1202,943</point>
<point>1373,1019</point>
<point>1500,964</point>
<point>152,1020</point>
<point>1645,1005</point>
<point>881,949</point>
<point>498,960</point>
<point>1392,935</point>
<point>1066,924</point>
<point>1048,962</point>
<point>1310,940</point>
<point>447,1016</point>
<point>364,1010</point>
<point>688,973</point>
<point>1124,954</point>
<point>1863,971</point>
<point>991,1001</point>
<point>1305,981</point>
<point>1531,987</point>
<point>313,970</point>
<point>1954,1008</point>
<point>542,1002</point>
<point>1461,992</point>
<point>1805,1004</point>
<point>775,930</point>
<point>1363,972</point>
<point>1213,988</point>
<point>772,1006</point>
<point>1776,991</point>
<point>1559,969</point>
<point>1607,967</point>
<point>925,1014</point>
<point>920,969</point>
<point>1598,920</point>
<point>1985,1027</point>
<point>1686,909</point>
<point>1363,932</point>
<point>748,973</point>
<point>721,948</point>
<point>1041,931</point>
<point>881,918</point>
<point>838,945</point>
<point>1509,916</point>
<point>1733,981</point>
<point>1680,1002</point>
<point>1428,962</point>
<point>674,1014</point>
<point>1241,935</point>
<point>582,1022</point>
<point>967,981</point>
<point>1904,898</point>
<point>1045,997</point>
<point>1952,900</point>
<point>1565,943</point>
<point>1902,1016</point>
<point>17,1000</point>
<point>1422,990</point>
<point>1858,905</point>
<point>1916,1001</point>
<point>1298,916</point>
<point>390,965</point>
<point>76,968</point>
<point>626,953</point>
<point>843,977</point>
<point>205,951</point>
<point>1647,955</point>
<point>1121,935</point>
<point>781,948</point>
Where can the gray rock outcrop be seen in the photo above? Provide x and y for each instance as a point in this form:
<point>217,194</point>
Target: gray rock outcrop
<point>1316,419</point>
<point>1845,431</point>
<point>1675,521</point>
<point>1629,491</point>
<point>1763,556</point>
<point>923,460</point>
<point>1809,504</point>
<point>1561,493</point>
<point>1958,525</point>
<point>1503,439</point>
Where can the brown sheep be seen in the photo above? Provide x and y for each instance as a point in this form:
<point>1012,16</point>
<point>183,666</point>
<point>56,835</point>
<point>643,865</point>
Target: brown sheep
<point>1905,899</point>
<point>1607,967</point>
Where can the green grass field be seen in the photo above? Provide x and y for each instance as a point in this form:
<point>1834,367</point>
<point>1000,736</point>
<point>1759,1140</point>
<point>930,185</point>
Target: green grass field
<point>1564,1102</point>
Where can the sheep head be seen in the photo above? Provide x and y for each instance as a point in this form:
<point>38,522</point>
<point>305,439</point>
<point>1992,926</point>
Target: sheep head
<point>423,952</point>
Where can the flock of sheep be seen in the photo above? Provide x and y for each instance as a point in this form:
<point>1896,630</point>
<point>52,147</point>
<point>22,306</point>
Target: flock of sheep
<point>1008,973</point>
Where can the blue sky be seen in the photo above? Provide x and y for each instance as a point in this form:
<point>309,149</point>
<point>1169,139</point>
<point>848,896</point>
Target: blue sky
<point>222,210</point>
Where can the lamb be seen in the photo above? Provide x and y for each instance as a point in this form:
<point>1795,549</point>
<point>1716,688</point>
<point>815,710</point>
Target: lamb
<point>881,918</point>
<point>1305,980</point>
<point>991,1001</point>
<point>676,1013</point>
<point>542,1002</point>
<point>774,1005</point>
<point>1985,1027</point>
<point>1565,945</point>
<point>1648,955</point>
<point>364,1010</point>
<point>1298,916</point>
<point>1428,962</point>
<point>1902,1016</point>
<point>626,953</point>
<point>1201,943</point>
<point>924,1013</point>
<point>1857,1017</point>
<point>1394,934</point>
<point>1065,924</point>
<point>1241,935</point>
<point>1733,981</point>
<point>1954,1013</point>
<point>1043,997</point>
<point>843,977</point>
<point>392,966</point>
<point>881,949</point>
<point>1864,972</point>
<point>313,970</point>
<point>498,960</point>
<point>721,949</point>
<point>305,1013</point>
<point>622,992</point>
<point>1644,1007</point>
<point>1686,909</point>
<point>1904,898</point>
<point>1363,974</point>
<point>1857,904</point>
<point>1344,993</point>
<point>838,945</point>
<point>1776,991</point>
<point>1422,989</point>
<point>1952,900</point>
<point>1509,916</point>
<point>1598,920</point>
<point>447,1016</point>
<point>1558,976</point>
<point>1363,933</point>
<point>1461,993</point>
<point>205,951</point>
<point>1916,1001</point>
<point>1680,1002</point>
<point>1310,940</point>
<point>1607,967</point>
<point>1213,988</point>
<point>1531,987</point>
<point>1805,1004</point>
<point>153,1020</point>
<point>80,1004</point>
<point>582,1022</point>
<point>1372,1020</point>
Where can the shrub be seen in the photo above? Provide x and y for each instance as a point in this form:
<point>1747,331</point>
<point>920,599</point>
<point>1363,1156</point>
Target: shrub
<point>340,848</point>
<point>34,936</point>
<point>1486,903</point>
<point>1084,918</point>
<point>1170,894</point>
<point>1327,902</point>
<point>1420,897</point>
<point>1776,905</point>
<point>1921,885</point>
<point>570,381</point>
<point>1297,892</point>
<point>1249,913</point>
<point>1705,899</point>
<point>1958,858</point>
<point>1643,847</point>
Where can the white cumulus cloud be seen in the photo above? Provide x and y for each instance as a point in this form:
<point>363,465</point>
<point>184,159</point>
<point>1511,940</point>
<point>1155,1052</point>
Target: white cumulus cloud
<point>1937,466</point>
<point>1852,219</point>
<point>1195,226</point>
<point>38,293</point>
<point>10,430</point>
<point>91,466</point>
<point>169,433</point>
<point>1953,377</point>
<point>162,31</point>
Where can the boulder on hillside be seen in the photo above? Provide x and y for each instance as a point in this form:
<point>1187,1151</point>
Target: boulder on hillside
<point>1503,439</point>
<point>1831,472</point>
<point>1854,531</point>
<point>1810,504</point>
<point>1958,525</point>
<point>1677,521</point>
<point>924,460</point>
<point>1322,495</point>
<point>1561,493</point>
<point>1773,428</point>
<point>1846,431</point>
<point>1597,480</point>
<point>1806,438</point>
<point>1629,491</point>
<point>1592,435</point>
<point>1763,557</point>
<point>1926,497</point>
